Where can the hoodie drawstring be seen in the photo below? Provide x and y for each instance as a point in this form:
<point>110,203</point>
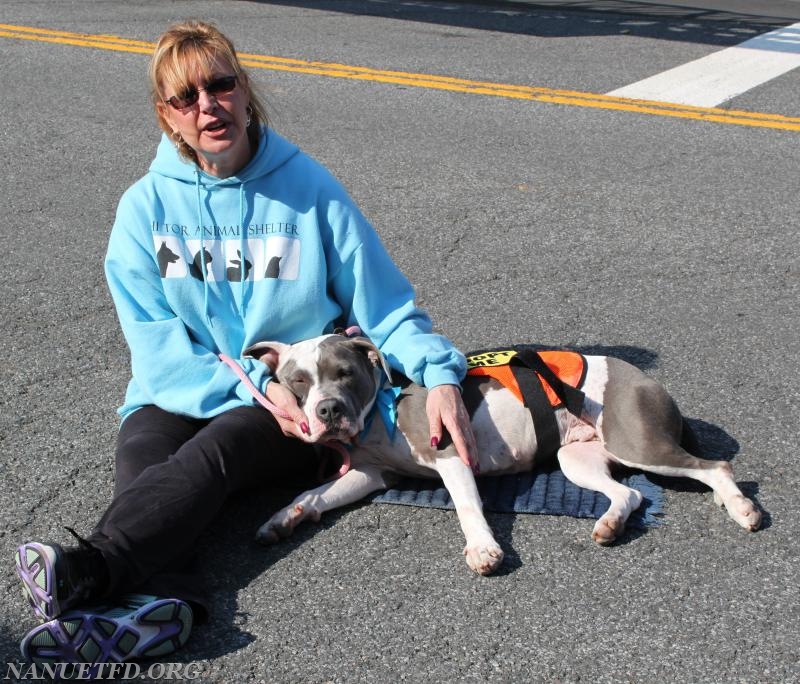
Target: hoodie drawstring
<point>204,271</point>
<point>242,256</point>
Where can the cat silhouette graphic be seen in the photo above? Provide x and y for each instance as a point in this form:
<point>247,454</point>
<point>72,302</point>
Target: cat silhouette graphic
<point>197,268</point>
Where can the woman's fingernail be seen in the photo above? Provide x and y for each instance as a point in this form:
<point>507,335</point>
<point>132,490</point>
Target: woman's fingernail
<point>304,429</point>
<point>435,442</point>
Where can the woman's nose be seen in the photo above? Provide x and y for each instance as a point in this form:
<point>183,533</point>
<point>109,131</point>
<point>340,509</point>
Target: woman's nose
<point>207,102</point>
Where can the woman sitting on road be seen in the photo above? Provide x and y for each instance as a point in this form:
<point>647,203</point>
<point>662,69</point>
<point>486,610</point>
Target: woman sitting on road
<point>233,236</point>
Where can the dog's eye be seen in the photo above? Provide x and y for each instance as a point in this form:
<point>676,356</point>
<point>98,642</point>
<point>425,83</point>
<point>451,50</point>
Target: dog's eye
<point>344,373</point>
<point>299,379</point>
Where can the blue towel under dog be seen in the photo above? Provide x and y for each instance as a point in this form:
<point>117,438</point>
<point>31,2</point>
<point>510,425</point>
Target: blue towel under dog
<point>543,492</point>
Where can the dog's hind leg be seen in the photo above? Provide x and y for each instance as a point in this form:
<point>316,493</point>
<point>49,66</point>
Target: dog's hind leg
<point>642,428</point>
<point>588,465</point>
<point>718,475</point>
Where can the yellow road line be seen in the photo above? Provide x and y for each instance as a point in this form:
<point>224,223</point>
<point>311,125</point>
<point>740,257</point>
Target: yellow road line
<point>430,81</point>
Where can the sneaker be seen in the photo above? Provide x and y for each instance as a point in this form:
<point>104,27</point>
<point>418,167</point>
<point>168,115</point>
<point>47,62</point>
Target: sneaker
<point>56,579</point>
<point>137,626</point>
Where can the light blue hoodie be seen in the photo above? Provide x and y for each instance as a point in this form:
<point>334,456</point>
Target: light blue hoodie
<point>199,265</point>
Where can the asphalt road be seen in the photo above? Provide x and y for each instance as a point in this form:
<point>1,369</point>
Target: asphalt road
<point>670,241</point>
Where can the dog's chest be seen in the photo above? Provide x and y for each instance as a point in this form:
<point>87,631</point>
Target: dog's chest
<point>392,454</point>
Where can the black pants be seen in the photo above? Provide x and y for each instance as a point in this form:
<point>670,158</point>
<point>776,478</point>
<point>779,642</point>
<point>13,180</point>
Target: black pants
<point>173,475</point>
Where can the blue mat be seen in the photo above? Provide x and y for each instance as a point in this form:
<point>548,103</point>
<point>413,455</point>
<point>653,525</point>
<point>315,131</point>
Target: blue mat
<point>548,493</point>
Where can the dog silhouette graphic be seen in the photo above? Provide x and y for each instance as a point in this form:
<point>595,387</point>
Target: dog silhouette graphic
<point>165,257</point>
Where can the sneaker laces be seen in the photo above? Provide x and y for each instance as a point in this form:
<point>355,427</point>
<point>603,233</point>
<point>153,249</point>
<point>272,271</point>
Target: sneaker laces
<point>86,571</point>
<point>81,541</point>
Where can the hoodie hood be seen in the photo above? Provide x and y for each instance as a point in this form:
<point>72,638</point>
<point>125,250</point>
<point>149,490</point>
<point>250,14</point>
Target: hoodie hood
<point>273,152</point>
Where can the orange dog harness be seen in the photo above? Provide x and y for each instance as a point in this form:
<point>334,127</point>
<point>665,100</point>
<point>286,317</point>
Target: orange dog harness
<point>569,367</point>
<point>543,381</point>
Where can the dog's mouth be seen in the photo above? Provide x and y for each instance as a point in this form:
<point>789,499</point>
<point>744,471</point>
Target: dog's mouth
<point>344,437</point>
<point>344,434</point>
<point>343,429</point>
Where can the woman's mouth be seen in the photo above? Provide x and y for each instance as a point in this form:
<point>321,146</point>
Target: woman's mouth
<point>215,127</point>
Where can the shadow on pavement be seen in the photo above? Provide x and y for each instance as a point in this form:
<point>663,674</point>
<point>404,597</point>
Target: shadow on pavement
<point>561,18</point>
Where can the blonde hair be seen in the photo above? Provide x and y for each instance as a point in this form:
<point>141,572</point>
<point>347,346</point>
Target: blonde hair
<point>183,49</point>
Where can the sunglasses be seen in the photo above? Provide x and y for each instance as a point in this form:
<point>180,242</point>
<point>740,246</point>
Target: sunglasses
<point>216,86</point>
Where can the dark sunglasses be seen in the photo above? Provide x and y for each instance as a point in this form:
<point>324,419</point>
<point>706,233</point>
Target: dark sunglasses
<point>217,86</point>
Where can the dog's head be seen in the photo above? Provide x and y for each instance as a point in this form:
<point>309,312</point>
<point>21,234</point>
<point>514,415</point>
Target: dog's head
<point>335,379</point>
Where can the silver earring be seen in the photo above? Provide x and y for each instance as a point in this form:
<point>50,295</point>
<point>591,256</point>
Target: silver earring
<point>176,137</point>
<point>249,111</point>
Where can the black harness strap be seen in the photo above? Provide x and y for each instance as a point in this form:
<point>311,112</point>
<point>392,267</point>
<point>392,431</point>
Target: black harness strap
<point>548,439</point>
<point>568,395</point>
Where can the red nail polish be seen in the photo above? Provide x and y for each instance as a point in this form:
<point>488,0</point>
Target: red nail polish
<point>435,442</point>
<point>304,429</point>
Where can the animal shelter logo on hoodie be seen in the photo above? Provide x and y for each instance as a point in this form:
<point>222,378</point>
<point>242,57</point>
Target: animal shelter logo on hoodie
<point>275,256</point>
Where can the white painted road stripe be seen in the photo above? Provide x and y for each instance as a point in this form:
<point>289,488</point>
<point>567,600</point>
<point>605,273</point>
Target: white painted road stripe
<point>712,80</point>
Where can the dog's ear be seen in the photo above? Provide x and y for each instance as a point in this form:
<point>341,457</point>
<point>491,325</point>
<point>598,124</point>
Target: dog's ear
<point>373,354</point>
<point>267,352</point>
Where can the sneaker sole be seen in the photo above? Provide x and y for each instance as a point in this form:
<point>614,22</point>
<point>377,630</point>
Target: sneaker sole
<point>80,636</point>
<point>36,569</point>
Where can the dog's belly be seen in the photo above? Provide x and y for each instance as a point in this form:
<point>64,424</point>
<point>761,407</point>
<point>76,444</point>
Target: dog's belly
<point>504,432</point>
<point>504,428</point>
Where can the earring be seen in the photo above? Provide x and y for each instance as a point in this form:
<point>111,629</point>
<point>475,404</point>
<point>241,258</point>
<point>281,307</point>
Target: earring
<point>176,138</point>
<point>249,111</point>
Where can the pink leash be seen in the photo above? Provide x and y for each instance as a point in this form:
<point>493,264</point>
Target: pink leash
<point>276,410</point>
<point>260,398</point>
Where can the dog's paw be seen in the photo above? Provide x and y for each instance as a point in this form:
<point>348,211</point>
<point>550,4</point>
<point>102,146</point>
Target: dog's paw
<point>484,558</point>
<point>607,529</point>
<point>282,524</point>
<point>612,523</point>
<point>742,510</point>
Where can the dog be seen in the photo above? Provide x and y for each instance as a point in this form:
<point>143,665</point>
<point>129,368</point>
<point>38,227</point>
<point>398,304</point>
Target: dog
<point>625,418</point>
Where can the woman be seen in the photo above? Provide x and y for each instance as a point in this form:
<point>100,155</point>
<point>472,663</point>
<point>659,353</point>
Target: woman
<point>234,236</point>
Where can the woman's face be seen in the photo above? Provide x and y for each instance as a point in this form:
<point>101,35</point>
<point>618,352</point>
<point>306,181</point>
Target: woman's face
<point>215,126</point>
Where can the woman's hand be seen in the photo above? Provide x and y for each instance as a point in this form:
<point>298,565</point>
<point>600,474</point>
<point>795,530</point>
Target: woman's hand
<point>446,411</point>
<point>282,397</point>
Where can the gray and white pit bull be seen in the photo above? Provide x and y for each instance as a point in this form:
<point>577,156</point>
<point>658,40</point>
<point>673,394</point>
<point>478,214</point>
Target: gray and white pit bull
<point>627,419</point>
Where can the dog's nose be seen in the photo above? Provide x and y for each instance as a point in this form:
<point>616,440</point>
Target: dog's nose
<point>329,411</point>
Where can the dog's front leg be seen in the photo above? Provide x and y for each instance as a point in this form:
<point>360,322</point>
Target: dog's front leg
<point>351,487</point>
<point>483,553</point>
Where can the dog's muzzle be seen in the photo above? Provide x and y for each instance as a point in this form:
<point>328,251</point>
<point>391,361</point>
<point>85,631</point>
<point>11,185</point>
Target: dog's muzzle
<point>336,418</point>
<point>330,412</point>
